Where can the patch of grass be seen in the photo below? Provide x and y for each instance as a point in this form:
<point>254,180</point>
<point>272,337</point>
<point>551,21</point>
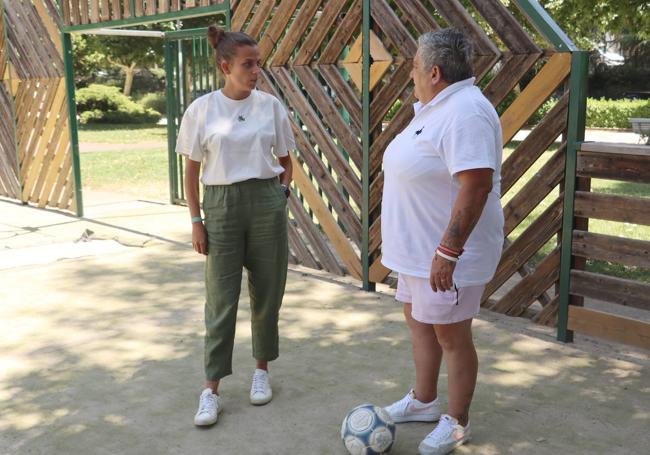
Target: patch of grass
<point>142,173</point>
<point>122,134</point>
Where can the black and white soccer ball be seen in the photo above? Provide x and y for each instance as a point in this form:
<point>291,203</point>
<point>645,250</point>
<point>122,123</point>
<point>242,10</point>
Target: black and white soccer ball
<point>368,430</point>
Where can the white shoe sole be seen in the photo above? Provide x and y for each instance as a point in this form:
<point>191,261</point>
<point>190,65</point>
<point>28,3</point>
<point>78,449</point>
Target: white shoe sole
<point>260,401</point>
<point>429,451</point>
<point>205,423</point>
<point>422,418</point>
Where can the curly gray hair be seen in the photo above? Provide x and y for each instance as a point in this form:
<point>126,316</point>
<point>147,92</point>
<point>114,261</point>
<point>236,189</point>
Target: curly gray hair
<point>450,50</point>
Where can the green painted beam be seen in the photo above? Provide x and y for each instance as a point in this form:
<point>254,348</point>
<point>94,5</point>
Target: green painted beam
<point>365,138</point>
<point>222,9</point>
<point>72,120</point>
<point>187,33</point>
<point>575,136</point>
<point>171,118</point>
<point>545,25</point>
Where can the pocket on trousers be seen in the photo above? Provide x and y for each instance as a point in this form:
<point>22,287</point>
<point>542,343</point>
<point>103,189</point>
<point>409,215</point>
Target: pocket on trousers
<point>446,298</point>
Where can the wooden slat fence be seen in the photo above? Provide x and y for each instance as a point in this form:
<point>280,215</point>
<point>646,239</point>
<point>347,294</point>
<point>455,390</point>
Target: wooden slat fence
<point>623,163</point>
<point>84,12</point>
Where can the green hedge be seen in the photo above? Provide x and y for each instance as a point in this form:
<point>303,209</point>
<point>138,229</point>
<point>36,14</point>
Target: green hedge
<point>105,104</point>
<point>155,101</point>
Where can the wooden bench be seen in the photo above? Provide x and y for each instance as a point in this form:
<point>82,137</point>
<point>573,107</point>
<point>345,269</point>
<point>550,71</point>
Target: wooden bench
<point>641,126</point>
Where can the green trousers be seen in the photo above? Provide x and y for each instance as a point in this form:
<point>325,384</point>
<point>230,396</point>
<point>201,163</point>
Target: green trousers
<point>246,224</point>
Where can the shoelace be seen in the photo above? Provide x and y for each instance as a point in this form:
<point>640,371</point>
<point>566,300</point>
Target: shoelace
<point>206,403</point>
<point>402,404</point>
<point>259,383</point>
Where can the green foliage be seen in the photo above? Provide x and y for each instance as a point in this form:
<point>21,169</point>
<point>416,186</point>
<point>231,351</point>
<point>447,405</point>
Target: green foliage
<point>104,104</point>
<point>393,110</point>
<point>604,113</point>
<point>615,81</point>
<point>155,101</point>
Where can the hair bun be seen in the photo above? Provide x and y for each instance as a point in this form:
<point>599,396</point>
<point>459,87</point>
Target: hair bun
<point>215,35</point>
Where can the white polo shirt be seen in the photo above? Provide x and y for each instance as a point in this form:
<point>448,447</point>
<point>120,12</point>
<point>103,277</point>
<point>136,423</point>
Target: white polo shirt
<point>236,139</point>
<point>456,131</point>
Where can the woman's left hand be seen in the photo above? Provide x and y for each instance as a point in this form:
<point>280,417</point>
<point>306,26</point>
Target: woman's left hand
<point>441,276</point>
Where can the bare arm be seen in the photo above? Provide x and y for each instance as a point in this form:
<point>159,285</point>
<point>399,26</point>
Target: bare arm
<point>475,185</point>
<point>199,237</point>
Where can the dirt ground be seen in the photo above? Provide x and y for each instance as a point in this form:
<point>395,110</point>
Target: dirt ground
<point>101,353</point>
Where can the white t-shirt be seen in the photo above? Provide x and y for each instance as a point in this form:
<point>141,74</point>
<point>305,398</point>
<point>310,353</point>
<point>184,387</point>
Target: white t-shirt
<point>456,131</point>
<point>236,139</point>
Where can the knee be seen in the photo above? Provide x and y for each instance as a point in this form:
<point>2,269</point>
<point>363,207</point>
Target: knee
<point>452,341</point>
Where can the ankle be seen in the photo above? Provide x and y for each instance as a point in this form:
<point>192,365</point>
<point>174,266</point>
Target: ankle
<point>463,419</point>
<point>213,385</point>
<point>425,397</point>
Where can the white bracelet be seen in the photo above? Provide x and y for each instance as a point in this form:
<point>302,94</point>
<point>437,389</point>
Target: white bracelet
<point>446,256</point>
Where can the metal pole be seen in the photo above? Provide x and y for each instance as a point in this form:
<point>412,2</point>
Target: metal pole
<point>171,121</point>
<point>72,120</point>
<point>365,138</point>
<point>575,136</point>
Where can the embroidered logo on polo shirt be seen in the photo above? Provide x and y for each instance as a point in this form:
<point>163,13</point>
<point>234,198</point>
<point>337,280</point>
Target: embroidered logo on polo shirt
<point>417,133</point>
<point>241,118</point>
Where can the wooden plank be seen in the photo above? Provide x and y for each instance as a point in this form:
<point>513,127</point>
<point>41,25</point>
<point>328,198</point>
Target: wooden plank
<point>378,272</point>
<point>535,94</point>
<point>330,115</point>
<point>67,17</point>
<point>620,250</point>
<point>298,249</point>
<point>116,10</point>
<point>614,147</point>
<point>50,25</point>
<point>295,33</point>
<point>61,195</point>
<point>519,298</point>
<point>260,18</point>
<point>163,6</point>
<point>614,166</point>
<point>176,5</point>
<point>514,67</point>
<point>327,146</point>
<point>387,95</point>
<point>278,25</point>
<point>60,145</point>
<point>139,7</point>
<point>456,14</point>
<point>610,289</point>
<point>344,93</point>
<point>104,10</point>
<point>624,209</point>
<point>506,26</point>
<point>150,6</point>
<point>342,34</point>
<point>94,11</point>
<point>609,326</point>
<point>324,179</point>
<point>319,31</point>
<point>522,249</point>
<point>548,315</point>
<point>534,192</point>
<point>393,28</point>
<point>321,249</point>
<point>326,220</point>
<point>417,14</point>
<point>539,140</point>
<point>84,17</point>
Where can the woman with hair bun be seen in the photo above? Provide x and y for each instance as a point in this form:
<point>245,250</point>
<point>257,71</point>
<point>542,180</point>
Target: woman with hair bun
<point>242,138</point>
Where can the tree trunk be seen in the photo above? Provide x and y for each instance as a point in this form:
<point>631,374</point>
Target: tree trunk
<point>129,71</point>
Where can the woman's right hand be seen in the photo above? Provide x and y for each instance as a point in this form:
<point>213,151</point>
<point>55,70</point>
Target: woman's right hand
<point>199,238</point>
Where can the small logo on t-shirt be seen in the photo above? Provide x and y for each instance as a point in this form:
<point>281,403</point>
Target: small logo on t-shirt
<point>417,133</point>
<point>241,118</point>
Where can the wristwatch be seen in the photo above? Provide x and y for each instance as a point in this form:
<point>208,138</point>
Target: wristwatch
<point>286,189</point>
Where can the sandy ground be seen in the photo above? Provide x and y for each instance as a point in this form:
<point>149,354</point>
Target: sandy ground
<point>101,353</point>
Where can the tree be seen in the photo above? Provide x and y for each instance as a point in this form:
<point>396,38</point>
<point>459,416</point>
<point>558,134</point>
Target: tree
<point>588,22</point>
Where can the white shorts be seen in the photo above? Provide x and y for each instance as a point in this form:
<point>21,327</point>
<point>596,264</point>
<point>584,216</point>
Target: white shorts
<point>448,307</point>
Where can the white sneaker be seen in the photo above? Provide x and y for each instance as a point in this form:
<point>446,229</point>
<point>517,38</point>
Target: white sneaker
<point>261,392</point>
<point>409,409</point>
<point>209,408</point>
<point>445,437</point>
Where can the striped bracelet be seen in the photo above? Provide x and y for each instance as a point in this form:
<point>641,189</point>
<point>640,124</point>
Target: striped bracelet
<point>446,256</point>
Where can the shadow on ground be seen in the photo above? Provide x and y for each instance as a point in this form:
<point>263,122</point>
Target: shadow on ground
<point>103,355</point>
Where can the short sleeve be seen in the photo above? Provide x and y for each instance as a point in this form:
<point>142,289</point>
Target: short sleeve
<point>189,136</point>
<point>470,143</point>
<point>284,139</point>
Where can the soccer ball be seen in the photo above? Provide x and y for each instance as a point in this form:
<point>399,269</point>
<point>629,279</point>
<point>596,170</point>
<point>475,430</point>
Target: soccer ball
<point>368,430</point>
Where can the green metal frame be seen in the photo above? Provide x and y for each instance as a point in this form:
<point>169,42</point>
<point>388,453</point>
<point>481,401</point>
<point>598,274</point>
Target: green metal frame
<point>365,139</point>
<point>221,9</point>
<point>575,136</point>
<point>545,25</point>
